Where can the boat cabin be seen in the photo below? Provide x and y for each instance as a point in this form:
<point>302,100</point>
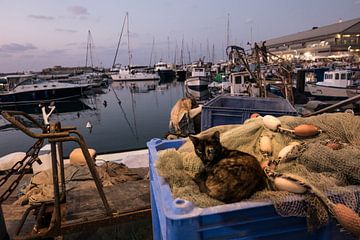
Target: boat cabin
<point>11,81</point>
<point>161,66</point>
<point>200,72</point>
<point>241,83</point>
<point>340,78</point>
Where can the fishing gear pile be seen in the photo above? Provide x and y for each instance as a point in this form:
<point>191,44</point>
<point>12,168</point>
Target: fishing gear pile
<point>316,158</point>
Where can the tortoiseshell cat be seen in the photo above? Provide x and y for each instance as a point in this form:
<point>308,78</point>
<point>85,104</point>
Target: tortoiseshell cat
<point>227,175</point>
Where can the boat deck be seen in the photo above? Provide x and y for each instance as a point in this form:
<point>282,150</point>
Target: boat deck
<point>85,213</point>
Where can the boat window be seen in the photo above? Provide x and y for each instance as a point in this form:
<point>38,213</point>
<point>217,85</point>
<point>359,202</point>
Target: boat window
<point>343,76</point>
<point>330,76</point>
<point>3,81</point>
<point>238,79</point>
<point>349,76</point>
<point>336,76</point>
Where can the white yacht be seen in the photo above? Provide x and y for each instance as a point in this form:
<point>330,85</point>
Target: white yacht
<point>335,84</point>
<point>126,74</point>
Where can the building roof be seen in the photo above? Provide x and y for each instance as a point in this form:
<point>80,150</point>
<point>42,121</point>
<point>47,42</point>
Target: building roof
<point>313,33</point>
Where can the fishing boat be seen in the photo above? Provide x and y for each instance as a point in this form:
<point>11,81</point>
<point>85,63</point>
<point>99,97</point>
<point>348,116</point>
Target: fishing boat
<point>197,84</point>
<point>28,89</point>
<point>335,84</point>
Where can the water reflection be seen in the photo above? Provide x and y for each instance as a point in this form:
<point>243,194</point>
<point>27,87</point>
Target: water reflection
<point>125,115</point>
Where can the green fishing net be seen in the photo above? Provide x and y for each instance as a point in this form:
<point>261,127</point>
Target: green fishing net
<point>334,172</point>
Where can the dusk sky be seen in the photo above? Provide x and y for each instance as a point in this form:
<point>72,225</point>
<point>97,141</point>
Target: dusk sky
<point>37,34</point>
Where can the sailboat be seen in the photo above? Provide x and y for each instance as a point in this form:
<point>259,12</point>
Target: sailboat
<point>130,72</point>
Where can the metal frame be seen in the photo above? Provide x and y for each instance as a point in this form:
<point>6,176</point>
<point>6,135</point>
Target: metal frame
<point>56,135</point>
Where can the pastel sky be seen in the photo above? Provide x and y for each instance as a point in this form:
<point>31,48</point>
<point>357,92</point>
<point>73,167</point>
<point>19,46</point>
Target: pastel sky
<point>36,34</point>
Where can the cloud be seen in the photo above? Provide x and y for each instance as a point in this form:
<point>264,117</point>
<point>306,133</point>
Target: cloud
<point>40,17</point>
<point>65,30</point>
<point>78,10</point>
<point>16,47</point>
<point>357,2</point>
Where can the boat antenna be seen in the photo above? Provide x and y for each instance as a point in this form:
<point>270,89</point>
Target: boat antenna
<point>118,45</point>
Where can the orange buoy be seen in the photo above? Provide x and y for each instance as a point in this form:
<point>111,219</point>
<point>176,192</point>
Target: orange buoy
<point>306,130</point>
<point>77,156</point>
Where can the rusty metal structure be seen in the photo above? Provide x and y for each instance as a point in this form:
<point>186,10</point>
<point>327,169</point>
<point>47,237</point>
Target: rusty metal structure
<point>50,220</point>
<point>265,68</point>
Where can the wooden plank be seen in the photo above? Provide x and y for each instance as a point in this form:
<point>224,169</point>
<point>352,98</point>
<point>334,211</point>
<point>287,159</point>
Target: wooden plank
<point>85,201</point>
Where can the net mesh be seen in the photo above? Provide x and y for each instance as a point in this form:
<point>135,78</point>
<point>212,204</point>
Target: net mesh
<point>334,172</point>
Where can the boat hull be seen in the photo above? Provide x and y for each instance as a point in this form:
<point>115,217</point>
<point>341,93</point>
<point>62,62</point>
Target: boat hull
<point>166,75</point>
<point>327,92</point>
<point>135,77</point>
<point>181,75</point>
<point>197,87</point>
<point>41,95</point>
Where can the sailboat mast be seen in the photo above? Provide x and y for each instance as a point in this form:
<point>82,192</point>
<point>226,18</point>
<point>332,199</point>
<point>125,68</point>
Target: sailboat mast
<point>118,45</point>
<point>87,50</point>
<point>128,36</point>
<point>152,50</point>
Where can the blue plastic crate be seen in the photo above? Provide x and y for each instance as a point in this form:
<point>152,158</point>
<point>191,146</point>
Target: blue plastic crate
<point>180,219</point>
<point>225,109</point>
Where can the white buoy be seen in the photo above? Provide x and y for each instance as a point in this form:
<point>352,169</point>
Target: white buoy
<point>89,126</point>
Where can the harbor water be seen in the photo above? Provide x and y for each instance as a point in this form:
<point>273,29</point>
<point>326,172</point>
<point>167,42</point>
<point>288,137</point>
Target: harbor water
<point>123,116</point>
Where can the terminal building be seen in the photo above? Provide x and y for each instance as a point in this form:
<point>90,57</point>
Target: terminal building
<point>339,41</point>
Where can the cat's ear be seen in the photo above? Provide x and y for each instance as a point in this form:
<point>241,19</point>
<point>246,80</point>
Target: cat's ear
<point>194,139</point>
<point>216,136</point>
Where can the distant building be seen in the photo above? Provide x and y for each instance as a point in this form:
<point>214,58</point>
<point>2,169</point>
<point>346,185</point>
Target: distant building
<point>336,41</point>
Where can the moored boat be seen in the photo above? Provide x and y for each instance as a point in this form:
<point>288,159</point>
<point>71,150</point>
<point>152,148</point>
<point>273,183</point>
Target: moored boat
<point>165,73</point>
<point>197,84</point>
<point>335,85</point>
<point>27,89</point>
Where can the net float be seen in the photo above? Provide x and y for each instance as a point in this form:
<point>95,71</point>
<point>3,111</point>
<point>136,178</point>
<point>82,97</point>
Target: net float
<point>265,145</point>
<point>334,145</point>
<point>285,151</point>
<point>283,184</point>
<point>271,122</point>
<point>306,130</point>
<point>347,218</point>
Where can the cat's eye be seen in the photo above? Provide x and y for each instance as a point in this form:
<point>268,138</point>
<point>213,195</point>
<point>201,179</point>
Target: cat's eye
<point>198,151</point>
